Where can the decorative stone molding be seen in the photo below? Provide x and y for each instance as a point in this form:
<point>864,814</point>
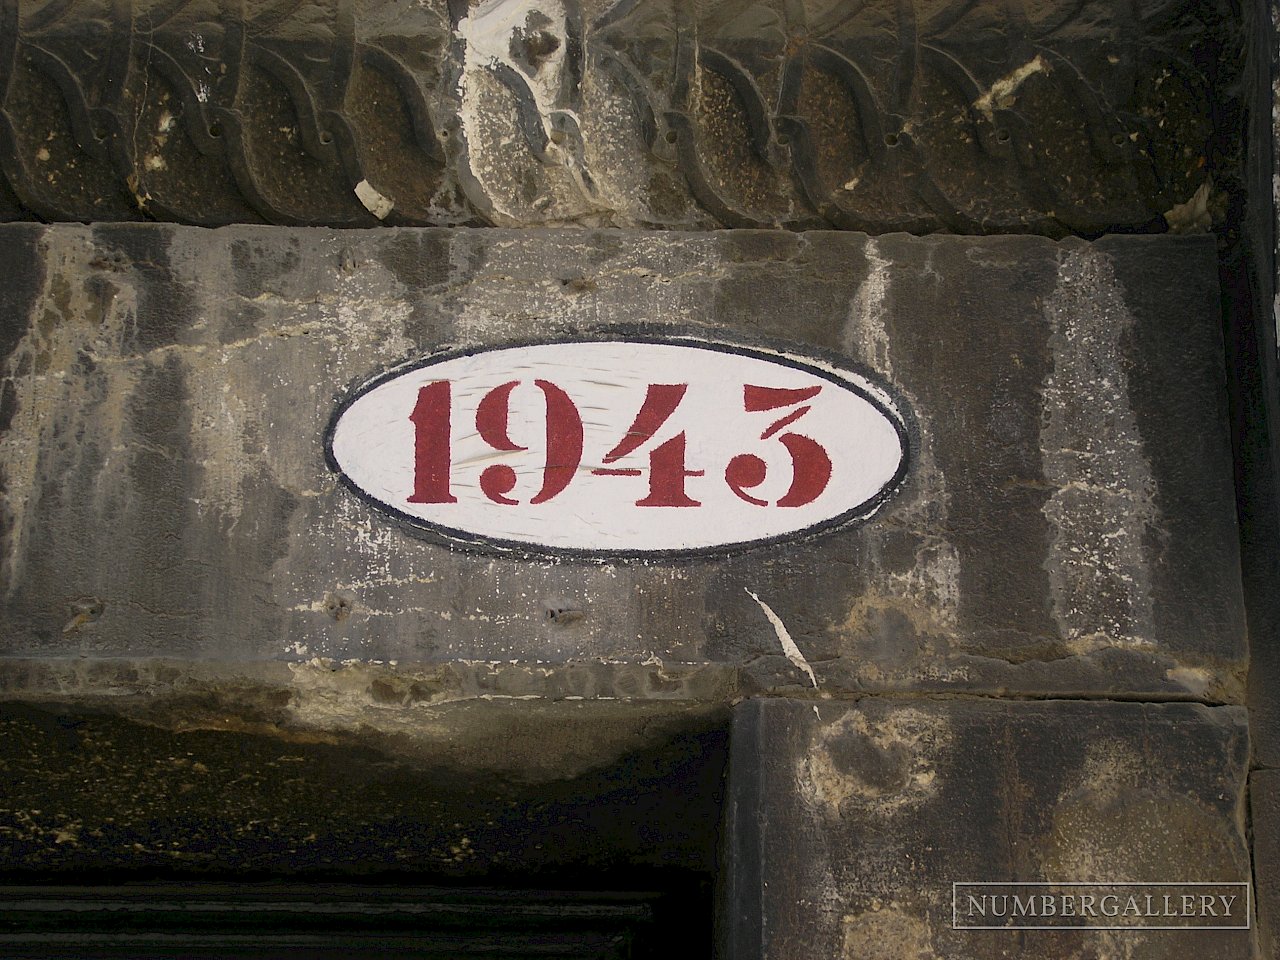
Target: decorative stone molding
<point>965,116</point>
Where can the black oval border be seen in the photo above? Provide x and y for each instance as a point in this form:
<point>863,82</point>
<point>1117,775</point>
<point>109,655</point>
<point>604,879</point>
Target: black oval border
<point>716,340</point>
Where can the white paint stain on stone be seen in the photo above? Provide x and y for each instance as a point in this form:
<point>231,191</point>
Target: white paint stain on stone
<point>231,419</point>
<point>864,333</point>
<point>488,31</point>
<point>493,34</point>
<point>789,648</point>
<point>1003,92</point>
<point>1103,506</point>
<point>622,183</point>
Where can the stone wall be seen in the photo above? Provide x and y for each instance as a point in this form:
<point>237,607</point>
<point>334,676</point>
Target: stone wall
<point>177,546</point>
<point>1026,660</point>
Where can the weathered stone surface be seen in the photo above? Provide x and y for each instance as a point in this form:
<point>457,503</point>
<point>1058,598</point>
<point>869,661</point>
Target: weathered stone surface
<point>1067,526</point>
<point>1053,117</point>
<point>850,822</point>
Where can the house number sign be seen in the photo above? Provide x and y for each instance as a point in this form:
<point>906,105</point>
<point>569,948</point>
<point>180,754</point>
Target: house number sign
<point>621,448</point>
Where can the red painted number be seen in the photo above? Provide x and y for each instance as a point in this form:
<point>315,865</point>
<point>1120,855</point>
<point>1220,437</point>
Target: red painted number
<point>810,465</point>
<point>431,444</point>
<point>666,462</point>
<point>432,451</point>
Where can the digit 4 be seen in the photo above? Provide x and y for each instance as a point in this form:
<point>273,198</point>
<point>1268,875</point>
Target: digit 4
<point>667,471</point>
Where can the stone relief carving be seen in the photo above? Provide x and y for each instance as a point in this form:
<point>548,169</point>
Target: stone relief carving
<point>967,116</point>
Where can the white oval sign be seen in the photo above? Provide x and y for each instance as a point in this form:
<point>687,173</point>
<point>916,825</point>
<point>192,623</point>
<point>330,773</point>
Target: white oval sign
<point>621,448</point>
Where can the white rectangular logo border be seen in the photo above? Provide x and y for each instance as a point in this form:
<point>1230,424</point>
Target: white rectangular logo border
<point>956,884</point>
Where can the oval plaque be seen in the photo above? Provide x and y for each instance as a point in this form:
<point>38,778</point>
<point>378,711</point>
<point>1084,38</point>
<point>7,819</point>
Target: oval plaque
<point>621,448</point>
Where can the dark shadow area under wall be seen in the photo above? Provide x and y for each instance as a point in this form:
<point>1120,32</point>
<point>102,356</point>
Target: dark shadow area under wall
<point>124,839</point>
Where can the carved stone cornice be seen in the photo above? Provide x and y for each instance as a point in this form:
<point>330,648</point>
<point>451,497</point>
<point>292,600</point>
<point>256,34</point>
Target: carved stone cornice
<point>968,116</point>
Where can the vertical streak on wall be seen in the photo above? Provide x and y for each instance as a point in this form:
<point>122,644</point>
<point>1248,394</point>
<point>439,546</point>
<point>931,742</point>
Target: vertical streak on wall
<point>1275,158</point>
<point>74,329</point>
<point>934,580</point>
<point>1093,455</point>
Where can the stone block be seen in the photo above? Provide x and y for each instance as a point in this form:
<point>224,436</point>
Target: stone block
<point>1066,524</point>
<point>849,823</point>
<point>1264,810</point>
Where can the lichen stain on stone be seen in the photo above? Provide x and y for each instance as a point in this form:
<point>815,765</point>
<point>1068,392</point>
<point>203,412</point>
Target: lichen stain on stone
<point>421,713</point>
<point>903,617</point>
<point>724,138</point>
<point>1197,214</point>
<point>884,765</point>
<point>1195,680</point>
<point>1121,818</point>
<point>886,934</point>
<point>1103,509</point>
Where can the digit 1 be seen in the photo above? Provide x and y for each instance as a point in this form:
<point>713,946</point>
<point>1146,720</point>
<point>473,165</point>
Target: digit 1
<point>432,459</point>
